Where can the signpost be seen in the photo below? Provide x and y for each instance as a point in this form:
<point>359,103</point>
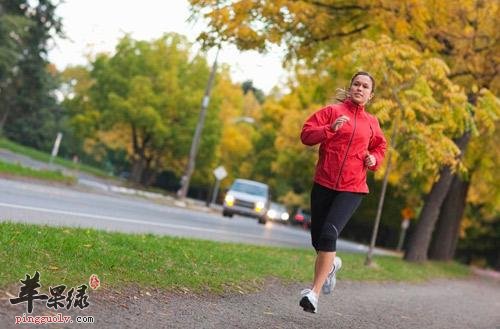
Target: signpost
<point>220,173</point>
<point>407,214</point>
<point>55,148</point>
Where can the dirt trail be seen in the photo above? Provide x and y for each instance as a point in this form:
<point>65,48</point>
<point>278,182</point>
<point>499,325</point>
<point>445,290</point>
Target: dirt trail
<point>473,303</point>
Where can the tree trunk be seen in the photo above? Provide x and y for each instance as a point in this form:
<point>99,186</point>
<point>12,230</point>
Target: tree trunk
<point>4,115</point>
<point>150,172</point>
<point>420,239</point>
<point>138,166</point>
<point>497,263</point>
<point>445,238</point>
<point>3,119</point>
<point>150,177</point>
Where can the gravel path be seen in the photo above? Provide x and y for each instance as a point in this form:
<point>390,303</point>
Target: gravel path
<point>473,303</point>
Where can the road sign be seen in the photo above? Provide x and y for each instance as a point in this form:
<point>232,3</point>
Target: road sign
<point>407,213</point>
<point>220,173</point>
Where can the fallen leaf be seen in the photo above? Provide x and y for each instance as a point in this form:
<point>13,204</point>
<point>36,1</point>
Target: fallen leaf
<point>10,295</point>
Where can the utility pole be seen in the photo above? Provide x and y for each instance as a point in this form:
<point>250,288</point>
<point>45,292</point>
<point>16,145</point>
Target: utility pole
<point>369,255</point>
<point>186,178</point>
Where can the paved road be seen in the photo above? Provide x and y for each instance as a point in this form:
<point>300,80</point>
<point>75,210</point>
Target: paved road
<point>41,204</point>
<point>100,209</point>
<point>25,161</point>
<point>440,304</point>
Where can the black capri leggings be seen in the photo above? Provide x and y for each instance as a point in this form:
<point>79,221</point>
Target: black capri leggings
<point>330,212</point>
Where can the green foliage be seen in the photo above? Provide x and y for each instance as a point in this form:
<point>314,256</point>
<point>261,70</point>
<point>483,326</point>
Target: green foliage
<point>248,86</point>
<point>10,47</point>
<point>306,28</point>
<point>417,104</point>
<point>144,100</point>
<point>28,108</point>
<point>480,232</point>
<point>240,117</point>
<point>316,34</point>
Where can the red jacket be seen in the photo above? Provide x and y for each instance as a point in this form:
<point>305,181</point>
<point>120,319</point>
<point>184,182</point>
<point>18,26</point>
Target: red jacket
<point>341,154</point>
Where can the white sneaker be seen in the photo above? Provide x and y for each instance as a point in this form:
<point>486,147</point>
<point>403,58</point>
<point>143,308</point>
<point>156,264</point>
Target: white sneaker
<point>331,279</point>
<point>309,301</point>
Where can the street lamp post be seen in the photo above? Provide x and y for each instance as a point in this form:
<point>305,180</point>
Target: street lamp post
<point>186,178</point>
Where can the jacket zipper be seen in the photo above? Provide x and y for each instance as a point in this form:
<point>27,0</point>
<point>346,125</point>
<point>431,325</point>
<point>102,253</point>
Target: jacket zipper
<point>348,146</point>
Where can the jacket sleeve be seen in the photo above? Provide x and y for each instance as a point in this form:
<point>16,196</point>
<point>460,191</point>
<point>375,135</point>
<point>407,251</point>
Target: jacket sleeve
<point>317,127</point>
<point>378,145</point>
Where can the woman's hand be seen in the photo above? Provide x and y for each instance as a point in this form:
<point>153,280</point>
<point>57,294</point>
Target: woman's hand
<point>339,122</point>
<point>370,160</point>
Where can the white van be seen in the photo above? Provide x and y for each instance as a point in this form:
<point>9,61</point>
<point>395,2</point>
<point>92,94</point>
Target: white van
<point>248,198</point>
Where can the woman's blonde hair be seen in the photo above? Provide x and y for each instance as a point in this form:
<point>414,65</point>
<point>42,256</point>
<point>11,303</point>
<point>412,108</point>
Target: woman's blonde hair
<point>341,94</point>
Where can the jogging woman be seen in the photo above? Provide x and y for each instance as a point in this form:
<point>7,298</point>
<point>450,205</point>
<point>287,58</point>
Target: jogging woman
<point>351,142</point>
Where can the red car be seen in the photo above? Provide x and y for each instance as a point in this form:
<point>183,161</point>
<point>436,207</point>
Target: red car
<point>302,218</point>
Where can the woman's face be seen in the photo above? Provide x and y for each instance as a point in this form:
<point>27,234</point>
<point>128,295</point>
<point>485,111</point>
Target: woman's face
<point>361,89</point>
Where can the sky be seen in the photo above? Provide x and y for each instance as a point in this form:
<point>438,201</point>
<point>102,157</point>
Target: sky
<point>94,26</point>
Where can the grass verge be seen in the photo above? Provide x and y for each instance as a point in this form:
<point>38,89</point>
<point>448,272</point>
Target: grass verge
<point>70,256</point>
<point>18,170</point>
<point>45,157</point>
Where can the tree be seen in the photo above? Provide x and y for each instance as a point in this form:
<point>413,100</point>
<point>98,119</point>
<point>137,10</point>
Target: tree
<point>236,149</point>
<point>81,120</point>
<point>29,110</point>
<point>144,100</point>
<point>444,241</point>
<point>13,29</point>
<point>469,37</point>
<point>481,155</point>
<point>293,164</point>
<point>416,102</point>
<point>273,114</point>
<point>304,27</point>
<point>248,86</point>
<point>313,32</point>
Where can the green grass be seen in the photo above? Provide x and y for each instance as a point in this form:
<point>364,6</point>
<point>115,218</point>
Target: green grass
<point>45,157</point>
<point>48,175</point>
<point>70,256</point>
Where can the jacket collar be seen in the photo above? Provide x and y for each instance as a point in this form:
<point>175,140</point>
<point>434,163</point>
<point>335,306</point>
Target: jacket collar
<point>353,106</point>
